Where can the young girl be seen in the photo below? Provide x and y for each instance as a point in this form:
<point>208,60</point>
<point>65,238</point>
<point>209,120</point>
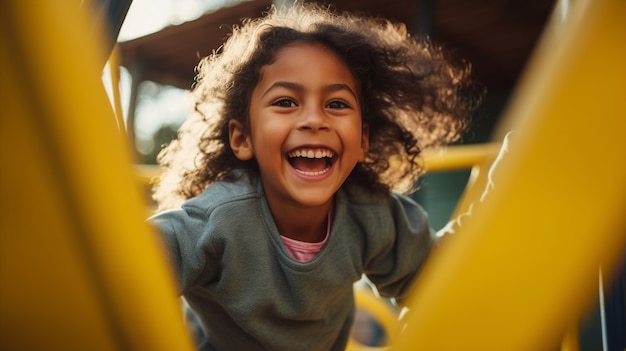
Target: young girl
<point>277,195</point>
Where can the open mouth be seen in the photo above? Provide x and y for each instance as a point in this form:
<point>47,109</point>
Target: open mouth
<point>311,161</point>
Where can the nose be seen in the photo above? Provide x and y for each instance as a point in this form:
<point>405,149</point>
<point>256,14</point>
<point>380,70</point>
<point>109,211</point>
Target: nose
<point>313,118</point>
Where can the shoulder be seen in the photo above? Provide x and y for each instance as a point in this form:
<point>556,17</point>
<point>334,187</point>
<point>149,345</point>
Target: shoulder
<point>224,200</point>
<point>381,208</point>
<point>225,193</point>
<point>357,196</point>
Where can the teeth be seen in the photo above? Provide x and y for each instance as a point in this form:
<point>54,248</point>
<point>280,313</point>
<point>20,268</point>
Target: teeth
<point>308,173</point>
<point>311,153</point>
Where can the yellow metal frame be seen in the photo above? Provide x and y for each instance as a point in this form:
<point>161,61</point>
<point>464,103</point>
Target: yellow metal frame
<point>79,267</point>
<point>523,269</point>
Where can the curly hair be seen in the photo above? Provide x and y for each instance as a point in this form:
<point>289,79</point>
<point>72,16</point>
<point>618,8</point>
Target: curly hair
<point>413,96</point>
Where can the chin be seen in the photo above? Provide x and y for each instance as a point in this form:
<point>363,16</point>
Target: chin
<point>314,199</point>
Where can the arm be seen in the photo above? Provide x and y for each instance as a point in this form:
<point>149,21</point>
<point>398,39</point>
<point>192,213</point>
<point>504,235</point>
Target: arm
<point>187,241</point>
<point>411,239</point>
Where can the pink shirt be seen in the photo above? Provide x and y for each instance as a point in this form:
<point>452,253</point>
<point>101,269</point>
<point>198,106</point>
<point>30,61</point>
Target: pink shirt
<point>302,251</point>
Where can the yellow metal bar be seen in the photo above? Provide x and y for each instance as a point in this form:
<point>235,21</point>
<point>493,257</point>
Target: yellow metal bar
<point>147,174</point>
<point>80,269</point>
<point>570,341</point>
<point>523,268</point>
<point>114,71</point>
<point>459,156</point>
<point>384,314</point>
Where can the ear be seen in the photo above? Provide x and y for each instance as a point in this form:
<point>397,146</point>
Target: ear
<point>239,141</point>
<point>365,141</point>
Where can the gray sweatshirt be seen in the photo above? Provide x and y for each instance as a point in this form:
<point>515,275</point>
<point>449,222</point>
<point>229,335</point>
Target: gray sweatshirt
<point>250,294</point>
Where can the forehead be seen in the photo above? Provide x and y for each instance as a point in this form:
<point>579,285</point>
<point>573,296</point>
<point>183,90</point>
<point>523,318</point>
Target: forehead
<point>307,60</point>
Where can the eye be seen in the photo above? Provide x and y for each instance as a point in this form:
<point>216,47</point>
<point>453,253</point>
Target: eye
<point>337,104</point>
<point>284,102</point>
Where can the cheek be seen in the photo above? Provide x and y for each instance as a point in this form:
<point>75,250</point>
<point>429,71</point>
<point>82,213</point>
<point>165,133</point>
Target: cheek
<point>356,133</point>
<point>266,140</point>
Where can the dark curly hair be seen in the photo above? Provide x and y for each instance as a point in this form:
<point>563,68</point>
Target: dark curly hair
<point>412,95</point>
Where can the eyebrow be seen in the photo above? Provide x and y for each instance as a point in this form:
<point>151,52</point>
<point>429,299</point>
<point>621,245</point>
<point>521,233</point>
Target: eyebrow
<point>300,88</point>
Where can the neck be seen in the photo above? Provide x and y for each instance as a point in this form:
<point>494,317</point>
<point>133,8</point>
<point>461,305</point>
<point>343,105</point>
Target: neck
<point>308,224</point>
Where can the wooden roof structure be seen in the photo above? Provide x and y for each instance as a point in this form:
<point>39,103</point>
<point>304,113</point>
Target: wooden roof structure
<point>496,36</point>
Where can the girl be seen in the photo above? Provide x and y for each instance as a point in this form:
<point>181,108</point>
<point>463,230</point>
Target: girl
<point>277,195</point>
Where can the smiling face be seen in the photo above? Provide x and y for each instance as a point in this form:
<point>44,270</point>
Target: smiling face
<point>306,130</point>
